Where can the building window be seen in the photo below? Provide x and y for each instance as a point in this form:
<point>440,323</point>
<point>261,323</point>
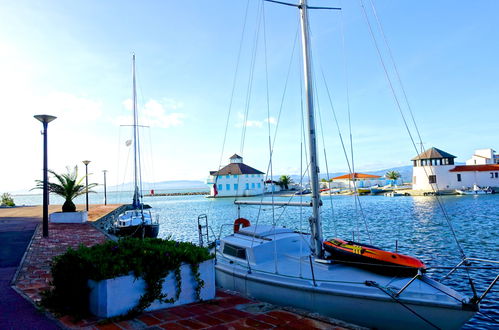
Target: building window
<point>432,178</point>
<point>227,186</point>
<point>247,185</point>
<point>451,161</point>
<point>415,163</point>
<point>496,175</point>
<point>220,187</point>
<point>459,178</point>
<point>259,185</point>
<point>227,176</point>
<point>253,185</point>
<point>236,186</point>
<point>491,175</point>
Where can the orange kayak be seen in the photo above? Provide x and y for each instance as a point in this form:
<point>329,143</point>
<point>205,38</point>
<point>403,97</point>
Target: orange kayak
<point>371,257</point>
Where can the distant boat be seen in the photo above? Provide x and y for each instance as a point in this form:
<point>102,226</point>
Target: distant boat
<point>138,221</point>
<point>476,190</point>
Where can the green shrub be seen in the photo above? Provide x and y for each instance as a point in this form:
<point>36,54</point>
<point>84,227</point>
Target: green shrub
<point>150,258</point>
<point>7,200</point>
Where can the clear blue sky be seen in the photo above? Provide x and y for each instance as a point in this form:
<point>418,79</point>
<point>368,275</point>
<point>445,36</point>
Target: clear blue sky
<point>72,59</point>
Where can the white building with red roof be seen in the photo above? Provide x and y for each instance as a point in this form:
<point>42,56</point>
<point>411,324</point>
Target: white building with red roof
<point>236,179</point>
<point>434,170</point>
<point>361,180</point>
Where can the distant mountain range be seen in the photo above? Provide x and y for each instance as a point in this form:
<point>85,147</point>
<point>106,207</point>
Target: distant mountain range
<point>163,185</point>
<point>405,173</point>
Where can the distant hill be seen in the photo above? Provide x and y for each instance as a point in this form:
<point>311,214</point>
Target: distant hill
<point>164,185</point>
<point>405,172</point>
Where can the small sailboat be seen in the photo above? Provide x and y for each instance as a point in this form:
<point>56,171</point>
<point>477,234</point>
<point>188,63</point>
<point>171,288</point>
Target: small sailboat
<point>291,268</point>
<point>137,221</point>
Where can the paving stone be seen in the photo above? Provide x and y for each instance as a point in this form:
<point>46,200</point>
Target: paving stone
<point>281,315</point>
<point>148,319</point>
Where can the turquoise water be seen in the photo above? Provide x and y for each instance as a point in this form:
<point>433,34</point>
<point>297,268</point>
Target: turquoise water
<point>417,224</point>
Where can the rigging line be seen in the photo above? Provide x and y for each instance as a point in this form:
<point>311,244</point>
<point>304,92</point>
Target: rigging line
<point>268,107</point>
<point>345,69</point>
<point>234,80</point>
<point>380,27</point>
<point>460,249</point>
<point>319,112</point>
<point>231,101</point>
<point>269,129</point>
<point>249,87</point>
<point>376,285</point>
<point>346,155</point>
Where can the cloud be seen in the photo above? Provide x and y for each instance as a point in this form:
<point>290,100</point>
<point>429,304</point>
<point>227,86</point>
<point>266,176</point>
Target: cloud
<point>254,123</point>
<point>155,113</point>
<point>71,107</point>
<point>271,120</point>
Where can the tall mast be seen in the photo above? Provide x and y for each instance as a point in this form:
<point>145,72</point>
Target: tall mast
<point>315,221</point>
<point>136,201</point>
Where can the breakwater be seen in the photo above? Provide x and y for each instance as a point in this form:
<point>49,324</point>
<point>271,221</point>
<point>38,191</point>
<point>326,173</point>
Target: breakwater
<point>192,193</point>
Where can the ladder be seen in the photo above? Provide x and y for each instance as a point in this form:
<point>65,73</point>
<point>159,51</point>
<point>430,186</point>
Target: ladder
<point>204,236</point>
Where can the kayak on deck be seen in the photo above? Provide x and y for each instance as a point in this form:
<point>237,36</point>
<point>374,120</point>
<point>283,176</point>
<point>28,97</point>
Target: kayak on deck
<point>373,258</point>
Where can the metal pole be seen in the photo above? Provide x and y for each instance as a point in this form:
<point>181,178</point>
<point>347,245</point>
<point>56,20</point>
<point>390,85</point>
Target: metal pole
<point>86,183</point>
<point>315,224</point>
<point>45,184</point>
<point>45,120</point>
<point>105,192</point>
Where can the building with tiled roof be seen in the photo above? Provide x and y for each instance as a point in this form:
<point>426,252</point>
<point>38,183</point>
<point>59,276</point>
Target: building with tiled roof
<point>236,179</point>
<point>434,170</point>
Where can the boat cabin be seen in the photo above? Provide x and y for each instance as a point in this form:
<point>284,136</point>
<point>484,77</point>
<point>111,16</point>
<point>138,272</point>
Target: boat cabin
<point>259,244</point>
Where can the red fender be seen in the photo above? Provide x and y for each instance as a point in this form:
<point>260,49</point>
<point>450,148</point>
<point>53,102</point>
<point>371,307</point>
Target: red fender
<point>240,221</point>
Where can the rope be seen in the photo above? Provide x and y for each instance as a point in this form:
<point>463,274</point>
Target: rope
<point>345,154</point>
<point>398,105</point>
<point>376,285</point>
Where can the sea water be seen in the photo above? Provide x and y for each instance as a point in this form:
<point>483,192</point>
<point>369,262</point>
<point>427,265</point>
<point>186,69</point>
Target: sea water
<point>417,226</point>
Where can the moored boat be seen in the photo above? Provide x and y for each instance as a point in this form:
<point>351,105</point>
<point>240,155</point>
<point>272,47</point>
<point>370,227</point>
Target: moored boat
<point>137,221</point>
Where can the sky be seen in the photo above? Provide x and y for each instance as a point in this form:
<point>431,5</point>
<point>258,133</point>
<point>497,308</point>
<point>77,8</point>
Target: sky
<point>72,59</point>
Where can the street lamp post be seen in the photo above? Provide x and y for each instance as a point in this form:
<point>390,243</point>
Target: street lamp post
<point>45,120</point>
<point>105,194</point>
<point>86,162</point>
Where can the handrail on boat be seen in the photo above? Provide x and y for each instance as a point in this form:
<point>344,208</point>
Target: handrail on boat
<point>466,263</point>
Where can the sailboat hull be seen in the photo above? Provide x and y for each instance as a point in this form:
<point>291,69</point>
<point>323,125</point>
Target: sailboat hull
<point>150,231</point>
<point>374,311</point>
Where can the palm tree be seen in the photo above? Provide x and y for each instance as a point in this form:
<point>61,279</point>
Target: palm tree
<point>69,187</point>
<point>285,181</point>
<point>392,175</point>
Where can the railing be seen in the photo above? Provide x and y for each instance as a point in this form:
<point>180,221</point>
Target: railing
<point>466,263</point>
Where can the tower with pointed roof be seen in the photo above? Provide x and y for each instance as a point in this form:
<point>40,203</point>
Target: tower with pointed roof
<point>431,170</point>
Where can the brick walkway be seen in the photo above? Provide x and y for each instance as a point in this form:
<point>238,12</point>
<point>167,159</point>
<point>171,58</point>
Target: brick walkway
<point>34,276</point>
<point>227,311</point>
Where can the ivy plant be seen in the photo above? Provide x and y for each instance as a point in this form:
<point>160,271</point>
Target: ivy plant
<point>152,259</point>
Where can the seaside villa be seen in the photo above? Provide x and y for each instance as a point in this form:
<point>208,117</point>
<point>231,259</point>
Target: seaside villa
<point>434,170</point>
<point>236,179</point>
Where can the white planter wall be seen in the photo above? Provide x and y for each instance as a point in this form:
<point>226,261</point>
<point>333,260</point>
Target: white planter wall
<point>113,297</point>
<point>69,217</point>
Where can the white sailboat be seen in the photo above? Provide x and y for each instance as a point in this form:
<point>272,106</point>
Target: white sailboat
<point>137,221</point>
<point>290,268</point>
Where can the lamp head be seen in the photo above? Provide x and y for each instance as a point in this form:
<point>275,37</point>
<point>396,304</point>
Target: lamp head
<point>45,118</point>
<point>86,162</point>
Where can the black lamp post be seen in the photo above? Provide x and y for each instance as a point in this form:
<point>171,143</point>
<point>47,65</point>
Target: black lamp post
<point>105,195</point>
<point>45,120</point>
<point>86,162</point>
